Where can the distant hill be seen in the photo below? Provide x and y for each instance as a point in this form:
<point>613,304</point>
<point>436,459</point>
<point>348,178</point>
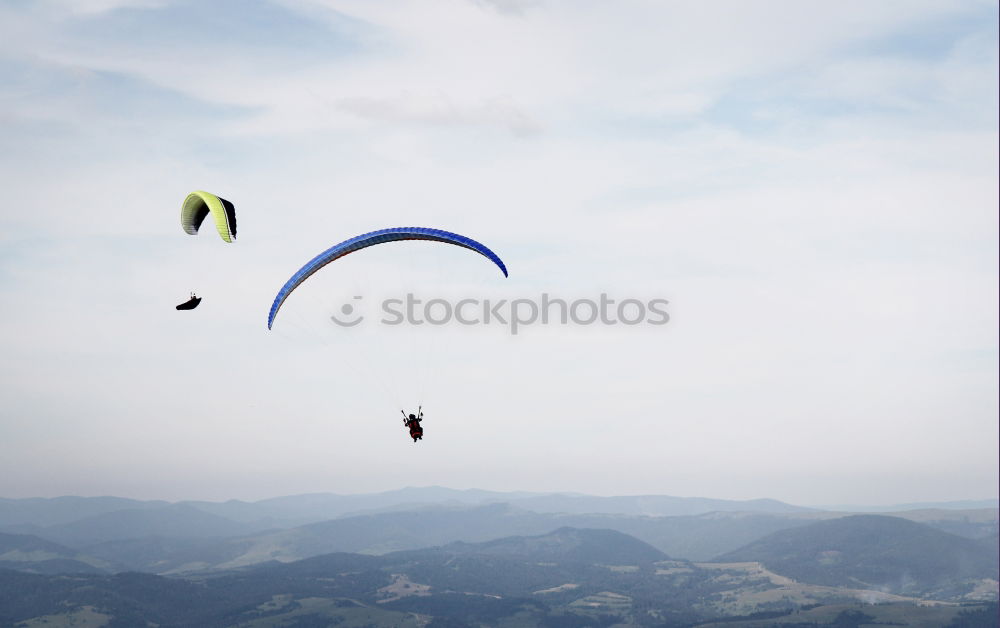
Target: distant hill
<point>872,551</point>
<point>57,510</point>
<point>973,524</point>
<point>695,538</point>
<point>327,505</point>
<point>606,547</point>
<point>294,510</point>
<point>168,548</point>
<point>161,555</point>
<point>165,538</point>
<point>991,543</point>
<point>392,531</point>
<point>26,543</point>
<point>683,537</point>
<point>174,520</point>
<point>297,510</point>
<point>649,505</point>
<point>967,504</point>
<point>22,552</point>
<point>328,502</point>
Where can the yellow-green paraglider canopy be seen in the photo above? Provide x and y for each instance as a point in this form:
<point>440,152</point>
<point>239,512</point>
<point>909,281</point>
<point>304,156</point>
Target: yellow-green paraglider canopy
<point>199,204</point>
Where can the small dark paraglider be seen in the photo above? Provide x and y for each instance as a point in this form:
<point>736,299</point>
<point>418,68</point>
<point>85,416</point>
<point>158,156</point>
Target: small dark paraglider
<point>197,206</point>
<point>190,304</point>
<point>412,422</point>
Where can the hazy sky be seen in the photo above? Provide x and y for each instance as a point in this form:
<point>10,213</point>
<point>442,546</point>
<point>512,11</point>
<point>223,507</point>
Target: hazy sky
<point>812,185</point>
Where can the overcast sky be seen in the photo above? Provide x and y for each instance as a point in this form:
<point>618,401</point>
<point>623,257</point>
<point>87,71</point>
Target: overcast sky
<point>811,185</point>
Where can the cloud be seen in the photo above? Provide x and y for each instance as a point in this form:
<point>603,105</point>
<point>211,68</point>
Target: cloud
<point>94,7</point>
<point>436,109</point>
<point>815,195</point>
<point>510,7</point>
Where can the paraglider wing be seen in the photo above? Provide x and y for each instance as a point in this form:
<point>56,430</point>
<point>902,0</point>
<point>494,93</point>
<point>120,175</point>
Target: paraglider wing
<point>200,204</point>
<point>370,239</point>
<point>190,304</point>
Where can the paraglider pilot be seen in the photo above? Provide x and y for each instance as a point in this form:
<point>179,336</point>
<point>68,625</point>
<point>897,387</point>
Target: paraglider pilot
<point>190,304</point>
<point>412,422</point>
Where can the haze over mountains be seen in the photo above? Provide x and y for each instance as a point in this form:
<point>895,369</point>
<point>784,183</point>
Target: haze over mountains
<point>567,577</point>
<point>300,509</point>
<point>160,537</point>
<point>887,553</point>
<point>294,510</point>
<point>458,558</point>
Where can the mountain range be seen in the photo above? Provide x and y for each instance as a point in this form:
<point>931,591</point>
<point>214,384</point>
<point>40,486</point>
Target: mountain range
<point>567,577</point>
<point>160,537</point>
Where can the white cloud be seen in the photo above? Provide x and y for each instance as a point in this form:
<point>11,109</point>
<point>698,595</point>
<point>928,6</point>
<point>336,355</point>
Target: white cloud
<point>436,109</point>
<point>821,216</point>
<point>94,7</point>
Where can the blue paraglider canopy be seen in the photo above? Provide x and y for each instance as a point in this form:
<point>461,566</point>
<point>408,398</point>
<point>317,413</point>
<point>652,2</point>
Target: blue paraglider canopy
<point>365,240</point>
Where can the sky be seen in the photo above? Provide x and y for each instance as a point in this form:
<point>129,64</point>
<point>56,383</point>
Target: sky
<point>811,186</point>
